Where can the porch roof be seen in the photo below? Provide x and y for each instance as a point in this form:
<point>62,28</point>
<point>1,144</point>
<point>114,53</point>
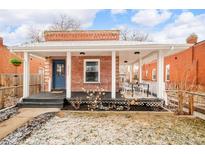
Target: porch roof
<point>96,46</point>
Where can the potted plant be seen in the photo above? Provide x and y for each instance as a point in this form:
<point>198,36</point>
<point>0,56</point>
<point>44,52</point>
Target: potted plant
<point>15,61</point>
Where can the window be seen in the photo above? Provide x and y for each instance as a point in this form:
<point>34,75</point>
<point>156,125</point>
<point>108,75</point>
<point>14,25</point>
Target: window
<point>60,70</point>
<point>154,74</point>
<point>91,71</point>
<point>146,73</point>
<point>167,76</point>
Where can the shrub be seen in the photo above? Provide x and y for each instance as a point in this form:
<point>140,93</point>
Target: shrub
<point>15,61</point>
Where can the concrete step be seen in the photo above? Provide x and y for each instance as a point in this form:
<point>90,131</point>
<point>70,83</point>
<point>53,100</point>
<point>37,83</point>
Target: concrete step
<point>42,100</point>
<point>40,104</point>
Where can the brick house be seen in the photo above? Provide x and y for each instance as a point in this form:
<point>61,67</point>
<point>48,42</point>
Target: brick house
<point>86,59</point>
<point>183,67</point>
<point>36,64</point>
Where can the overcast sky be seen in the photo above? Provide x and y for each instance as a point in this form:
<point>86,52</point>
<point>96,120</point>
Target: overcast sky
<point>172,26</point>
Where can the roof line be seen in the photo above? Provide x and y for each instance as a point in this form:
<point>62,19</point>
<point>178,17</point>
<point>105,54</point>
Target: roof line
<point>198,43</point>
<point>82,31</point>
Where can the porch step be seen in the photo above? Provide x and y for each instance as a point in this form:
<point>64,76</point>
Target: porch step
<point>42,100</point>
<point>41,103</point>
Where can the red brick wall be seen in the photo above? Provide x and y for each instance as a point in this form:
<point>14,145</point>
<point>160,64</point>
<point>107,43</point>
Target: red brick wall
<point>149,67</point>
<point>7,68</point>
<point>5,65</point>
<point>181,67</point>
<point>48,73</point>
<point>186,67</point>
<point>199,57</point>
<point>1,42</point>
<point>105,73</point>
<point>91,35</point>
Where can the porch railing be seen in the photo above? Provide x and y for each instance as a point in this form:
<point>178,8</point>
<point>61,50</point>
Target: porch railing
<point>138,89</point>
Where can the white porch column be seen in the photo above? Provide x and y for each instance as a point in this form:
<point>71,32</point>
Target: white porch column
<point>160,75</point>
<point>68,74</point>
<point>26,75</point>
<point>131,73</point>
<point>113,74</point>
<point>140,70</point>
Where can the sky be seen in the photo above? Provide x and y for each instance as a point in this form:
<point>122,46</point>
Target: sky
<point>163,26</point>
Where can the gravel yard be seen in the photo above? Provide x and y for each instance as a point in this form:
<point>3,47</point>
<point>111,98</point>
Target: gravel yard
<point>118,128</point>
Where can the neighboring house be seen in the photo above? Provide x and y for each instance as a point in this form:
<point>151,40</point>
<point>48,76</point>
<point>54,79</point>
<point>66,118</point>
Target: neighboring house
<point>87,59</point>
<point>36,64</point>
<point>186,68</point>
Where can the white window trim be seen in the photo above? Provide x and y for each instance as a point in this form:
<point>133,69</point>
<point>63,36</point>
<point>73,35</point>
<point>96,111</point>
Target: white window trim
<point>84,69</point>
<point>155,74</point>
<point>167,66</point>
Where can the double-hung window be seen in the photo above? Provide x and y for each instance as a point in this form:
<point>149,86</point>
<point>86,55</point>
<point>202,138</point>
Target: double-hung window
<point>154,74</point>
<point>167,76</point>
<point>91,70</point>
<point>146,73</point>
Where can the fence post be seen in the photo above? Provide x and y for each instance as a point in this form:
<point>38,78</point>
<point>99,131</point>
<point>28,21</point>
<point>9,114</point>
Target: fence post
<point>147,90</point>
<point>191,104</point>
<point>1,100</point>
<point>180,105</point>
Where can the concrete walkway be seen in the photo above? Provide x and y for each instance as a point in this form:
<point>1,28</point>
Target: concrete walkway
<point>24,115</point>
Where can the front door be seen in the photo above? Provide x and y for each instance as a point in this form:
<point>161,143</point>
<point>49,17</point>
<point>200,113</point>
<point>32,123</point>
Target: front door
<point>58,74</point>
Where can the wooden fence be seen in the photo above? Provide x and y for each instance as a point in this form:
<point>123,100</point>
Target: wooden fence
<point>11,88</point>
<point>186,100</point>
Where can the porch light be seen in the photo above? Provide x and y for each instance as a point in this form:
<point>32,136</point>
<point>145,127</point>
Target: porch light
<point>125,61</point>
<point>137,52</point>
<point>82,53</point>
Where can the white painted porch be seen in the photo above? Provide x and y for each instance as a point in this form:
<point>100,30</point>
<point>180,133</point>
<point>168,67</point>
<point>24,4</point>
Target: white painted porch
<point>124,49</point>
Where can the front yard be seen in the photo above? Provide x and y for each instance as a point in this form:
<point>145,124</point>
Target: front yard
<point>118,128</point>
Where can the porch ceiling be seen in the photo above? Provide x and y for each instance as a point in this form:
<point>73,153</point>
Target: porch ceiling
<point>128,56</point>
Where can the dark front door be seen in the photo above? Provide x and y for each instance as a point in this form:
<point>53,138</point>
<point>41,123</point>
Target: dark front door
<point>59,74</point>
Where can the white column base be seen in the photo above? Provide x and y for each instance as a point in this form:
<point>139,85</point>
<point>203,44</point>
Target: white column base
<point>160,75</point>
<point>26,75</point>
<point>113,75</point>
<point>68,74</point>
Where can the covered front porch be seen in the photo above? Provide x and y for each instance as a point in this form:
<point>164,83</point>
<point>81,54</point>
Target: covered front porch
<point>120,53</point>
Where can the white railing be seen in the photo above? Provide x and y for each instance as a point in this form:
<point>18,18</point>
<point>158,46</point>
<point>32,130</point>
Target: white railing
<point>152,87</point>
<point>144,89</point>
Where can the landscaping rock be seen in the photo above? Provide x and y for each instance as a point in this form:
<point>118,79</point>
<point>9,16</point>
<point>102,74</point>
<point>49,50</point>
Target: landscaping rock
<point>118,128</point>
<point>24,131</point>
<point>8,112</point>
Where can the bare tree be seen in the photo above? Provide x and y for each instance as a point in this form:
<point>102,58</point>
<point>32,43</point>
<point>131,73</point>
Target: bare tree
<point>65,23</point>
<point>35,34</point>
<point>134,35</point>
<point>62,23</point>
